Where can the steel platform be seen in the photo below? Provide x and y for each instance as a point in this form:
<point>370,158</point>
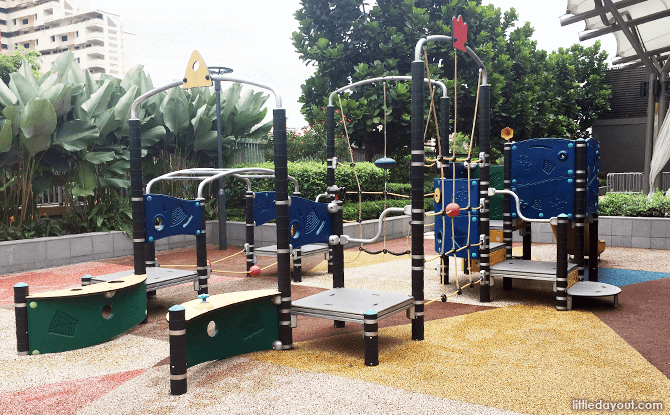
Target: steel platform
<point>350,304</point>
<point>595,289</point>
<point>526,269</point>
<point>157,277</point>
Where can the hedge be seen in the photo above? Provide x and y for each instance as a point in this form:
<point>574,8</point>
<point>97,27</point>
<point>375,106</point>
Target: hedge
<point>634,204</point>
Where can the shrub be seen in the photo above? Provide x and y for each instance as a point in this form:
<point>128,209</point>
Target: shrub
<point>635,204</point>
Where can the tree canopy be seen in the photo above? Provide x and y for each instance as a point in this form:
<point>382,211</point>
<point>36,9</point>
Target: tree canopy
<point>11,62</point>
<point>536,93</point>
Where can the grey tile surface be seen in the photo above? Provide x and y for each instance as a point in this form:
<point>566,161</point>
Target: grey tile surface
<point>622,227</point>
<point>641,242</point>
<point>641,227</point>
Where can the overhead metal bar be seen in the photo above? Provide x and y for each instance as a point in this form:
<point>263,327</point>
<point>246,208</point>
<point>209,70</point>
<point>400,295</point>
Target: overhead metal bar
<point>655,52</point>
<point>635,22</point>
<point>569,19</point>
<point>634,41</point>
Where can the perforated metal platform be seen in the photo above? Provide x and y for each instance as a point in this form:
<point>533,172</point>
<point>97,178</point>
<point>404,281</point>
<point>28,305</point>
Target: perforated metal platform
<point>595,289</point>
<point>526,269</point>
<point>157,277</point>
<point>350,304</point>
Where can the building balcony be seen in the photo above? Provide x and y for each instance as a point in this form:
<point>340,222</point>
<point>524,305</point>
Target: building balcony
<point>96,23</point>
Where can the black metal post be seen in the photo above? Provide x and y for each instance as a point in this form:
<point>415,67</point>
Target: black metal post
<point>201,250</point>
<point>283,248</point>
<point>371,338</point>
<point>330,165</point>
<point>137,196</point>
<point>593,248</point>
<point>177,327</point>
<point>484,226</point>
<point>507,211</point>
<point>562,263</point>
<point>580,204</point>
<point>21,314</point>
<point>338,249</point>
<point>417,178</point>
<point>250,237</point>
<point>527,240</point>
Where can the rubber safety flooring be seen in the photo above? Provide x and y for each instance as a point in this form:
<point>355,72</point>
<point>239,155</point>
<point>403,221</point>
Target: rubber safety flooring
<point>516,354</point>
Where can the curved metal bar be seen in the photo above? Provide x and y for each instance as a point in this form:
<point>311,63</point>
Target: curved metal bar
<point>385,78</point>
<point>149,94</point>
<point>444,38</point>
<point>518,205</point>
<point>278,102</point>
<point>244,179</point>
<point>207,175</point>
<point>380,223</point>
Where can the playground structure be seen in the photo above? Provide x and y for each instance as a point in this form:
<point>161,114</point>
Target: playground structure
<point>263,320</point>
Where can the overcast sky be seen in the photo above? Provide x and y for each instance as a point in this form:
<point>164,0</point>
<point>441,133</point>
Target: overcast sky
<point>254,38</point>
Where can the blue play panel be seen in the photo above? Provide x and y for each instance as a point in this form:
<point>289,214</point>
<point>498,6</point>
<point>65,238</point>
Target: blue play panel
<point>623,277</point>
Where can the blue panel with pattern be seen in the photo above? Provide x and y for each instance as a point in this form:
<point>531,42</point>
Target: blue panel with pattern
<point>543,176</point>
<point>462,222</point>
<point>309,222</point>
<point>168,216</point>
<point>265,209</point>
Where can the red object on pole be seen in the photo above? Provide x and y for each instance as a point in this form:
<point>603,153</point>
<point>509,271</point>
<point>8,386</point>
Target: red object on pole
<point>459,33</point>
<point>255,270</point>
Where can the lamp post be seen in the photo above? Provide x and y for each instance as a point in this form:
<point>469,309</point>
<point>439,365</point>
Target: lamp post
<point>221,197</point>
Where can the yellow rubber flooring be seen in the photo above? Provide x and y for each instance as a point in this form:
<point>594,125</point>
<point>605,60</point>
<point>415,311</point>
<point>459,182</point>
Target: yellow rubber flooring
<point>520,358</point>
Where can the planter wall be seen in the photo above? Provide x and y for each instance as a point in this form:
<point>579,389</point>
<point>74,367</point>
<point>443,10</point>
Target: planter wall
<point>29,254</point>
<point>619,231</point>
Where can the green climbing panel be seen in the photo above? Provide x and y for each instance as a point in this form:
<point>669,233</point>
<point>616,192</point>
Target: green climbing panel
<point>242,327</point>
<point>72,319</point>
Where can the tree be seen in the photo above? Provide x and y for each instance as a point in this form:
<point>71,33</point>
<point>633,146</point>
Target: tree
<point>11,62</point>
<point>533,92</point>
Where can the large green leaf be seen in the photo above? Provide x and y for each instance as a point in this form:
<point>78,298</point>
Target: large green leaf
<point>152,136</point>
<point>99,157</point>
<point>22,88</point>
<point>27,71</point>
<point>229,96</point>
<point>201,123</point>
<point>175,111</point>
<point>38,122</point>
<point>207,141</point>
<point>106,123</point>
<point>7,97</point>
<point>63,102</point>
<point>114,183</point>
<point>118,168</point>
<point>86,180</point>
<point>6,135</point>
<point>76,135</point>
<point>122,107</point>
<point>99,100</point>
<point>36,143</point>
<point>14,115</point>
<point>47,82</point>
<point>62,64</point>
<point>133,77</point>
<point>260,131</point>
<point>53,94</point>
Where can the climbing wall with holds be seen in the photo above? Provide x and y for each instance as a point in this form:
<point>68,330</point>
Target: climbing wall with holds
<point>168,216</point>
<point>461,221</point>
<point>543,176</point>
<point>309,222</point>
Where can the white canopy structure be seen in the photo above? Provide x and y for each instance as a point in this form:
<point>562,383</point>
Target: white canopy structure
<point>642,31</point>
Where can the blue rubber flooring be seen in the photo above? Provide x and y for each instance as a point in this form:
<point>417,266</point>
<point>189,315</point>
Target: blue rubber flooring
<point>623,277</point>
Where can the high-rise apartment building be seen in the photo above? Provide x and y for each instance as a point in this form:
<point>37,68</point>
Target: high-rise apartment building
<point>52,27</point>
